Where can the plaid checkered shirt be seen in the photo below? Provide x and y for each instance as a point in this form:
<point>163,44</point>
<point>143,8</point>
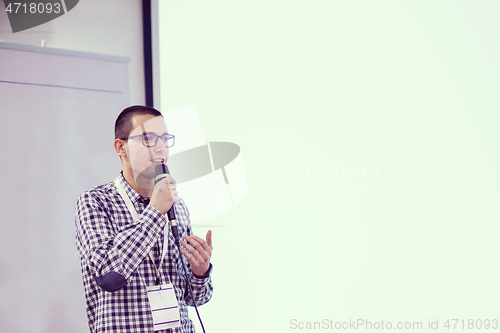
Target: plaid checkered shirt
<point>116,266</point>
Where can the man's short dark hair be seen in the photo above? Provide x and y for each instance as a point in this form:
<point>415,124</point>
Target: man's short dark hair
<point>123,124</point>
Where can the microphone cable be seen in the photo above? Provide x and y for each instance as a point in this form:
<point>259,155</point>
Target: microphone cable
<point>175,232</point>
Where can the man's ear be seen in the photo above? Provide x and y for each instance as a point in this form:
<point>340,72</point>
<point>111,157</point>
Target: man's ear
<point>120,148</point>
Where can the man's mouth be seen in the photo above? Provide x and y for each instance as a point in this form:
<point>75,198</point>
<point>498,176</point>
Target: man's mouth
<point>158,160</point>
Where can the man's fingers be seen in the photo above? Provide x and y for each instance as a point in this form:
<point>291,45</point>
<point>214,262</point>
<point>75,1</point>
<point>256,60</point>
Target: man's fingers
<point>201,251</point>
<point>174,195</point>
<point>195,255</point>
<point>197,251</point>
<point>163,185</point>
<point>199,243</point>
<point>170,180</point>
<point>209,239</point>
<point>192,260</point>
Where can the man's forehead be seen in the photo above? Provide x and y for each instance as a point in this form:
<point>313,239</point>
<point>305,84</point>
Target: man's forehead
<point>148,123</point>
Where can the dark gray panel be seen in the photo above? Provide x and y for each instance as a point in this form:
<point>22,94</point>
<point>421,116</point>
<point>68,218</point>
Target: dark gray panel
<point>190,164</point>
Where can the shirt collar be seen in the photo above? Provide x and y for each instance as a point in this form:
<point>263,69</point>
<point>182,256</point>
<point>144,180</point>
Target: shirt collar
<point>132,194</point>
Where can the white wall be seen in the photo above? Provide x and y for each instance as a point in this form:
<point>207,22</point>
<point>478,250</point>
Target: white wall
<point>38,256</point>
<point>109,27</point>
<point>67,148</point>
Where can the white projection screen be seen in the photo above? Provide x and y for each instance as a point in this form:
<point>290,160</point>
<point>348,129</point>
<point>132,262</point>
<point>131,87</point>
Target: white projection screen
<point>369,134</point>
<point>58,110</point>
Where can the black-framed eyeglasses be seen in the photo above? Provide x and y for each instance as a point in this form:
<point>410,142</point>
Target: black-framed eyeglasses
<point>151,139</point>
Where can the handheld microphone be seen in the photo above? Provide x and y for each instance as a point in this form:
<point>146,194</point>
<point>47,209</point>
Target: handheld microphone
<point>161,171</point>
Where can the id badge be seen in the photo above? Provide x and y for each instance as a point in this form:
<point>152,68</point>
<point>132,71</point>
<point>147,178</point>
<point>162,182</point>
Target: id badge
<point>164,306</point>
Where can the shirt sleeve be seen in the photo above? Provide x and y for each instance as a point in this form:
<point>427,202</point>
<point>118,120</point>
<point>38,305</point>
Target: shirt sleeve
<point>202,289</point>
<point>112,255</point>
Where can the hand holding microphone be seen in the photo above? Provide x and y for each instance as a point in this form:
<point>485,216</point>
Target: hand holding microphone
<point>162,175</point>
<point>165,193</point>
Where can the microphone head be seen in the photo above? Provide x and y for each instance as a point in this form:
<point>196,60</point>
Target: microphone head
<point>161,171</point>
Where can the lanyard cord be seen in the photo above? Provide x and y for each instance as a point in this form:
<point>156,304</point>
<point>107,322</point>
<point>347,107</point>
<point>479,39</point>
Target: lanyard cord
<point>132,211</point>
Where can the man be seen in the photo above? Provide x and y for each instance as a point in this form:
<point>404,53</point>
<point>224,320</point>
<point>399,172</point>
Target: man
<point>123,236</point>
